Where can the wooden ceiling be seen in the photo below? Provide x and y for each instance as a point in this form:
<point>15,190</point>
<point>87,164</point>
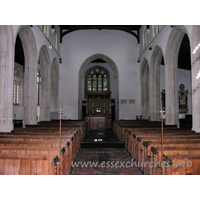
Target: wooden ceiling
<point>65,29</point>
<point>115,27</point>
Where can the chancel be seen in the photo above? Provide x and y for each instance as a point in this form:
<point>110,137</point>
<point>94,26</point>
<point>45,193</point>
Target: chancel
<point>113,82</point>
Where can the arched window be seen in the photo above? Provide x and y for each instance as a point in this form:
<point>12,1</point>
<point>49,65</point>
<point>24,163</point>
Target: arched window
<point>45,29</point>
<point>38,87</point>
<point>18,86</point>
<point>97,79</point>
<point>144,37</point>
<point>16,92</point>
<point>56,38</point>
<point>156,29</point>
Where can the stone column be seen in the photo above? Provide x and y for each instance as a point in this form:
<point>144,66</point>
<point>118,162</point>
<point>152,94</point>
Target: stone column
<point>171,95</point>
<point>6,91</point>
<point>45,100</point>
<point>195,95</point>
<point>154,89</point>
<point>30,95</point>
<point>145,91</point>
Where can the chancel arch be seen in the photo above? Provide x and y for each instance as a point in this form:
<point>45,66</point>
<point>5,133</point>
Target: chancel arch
<point>115,80</point>
<point>97,92</point>
<point>154,83</point>
<point>144,77</point>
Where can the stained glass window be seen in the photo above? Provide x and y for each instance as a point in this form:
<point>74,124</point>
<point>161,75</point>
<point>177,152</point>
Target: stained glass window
<point>97,80</point>
<point>89,83</point>
<point>99,83</point>
<point>105,83</point>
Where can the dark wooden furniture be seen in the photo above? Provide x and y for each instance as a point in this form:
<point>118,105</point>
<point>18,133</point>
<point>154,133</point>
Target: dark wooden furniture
<point>98,108</point>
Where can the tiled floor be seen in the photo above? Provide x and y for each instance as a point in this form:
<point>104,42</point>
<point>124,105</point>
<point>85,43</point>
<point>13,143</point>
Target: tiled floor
<point>119,162</point>
<point>103,161</point>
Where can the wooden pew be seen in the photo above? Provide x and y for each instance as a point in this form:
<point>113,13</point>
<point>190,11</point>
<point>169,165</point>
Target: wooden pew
<point>41,142</point>
<point>132,145</point>
<point>144,148</point>
<point>178,144</point>
<point>120,126</point>
<point>28,165</point>
<point>181,164</point>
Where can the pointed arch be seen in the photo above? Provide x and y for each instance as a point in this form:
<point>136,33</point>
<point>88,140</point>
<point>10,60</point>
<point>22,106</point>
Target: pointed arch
<point>30,76</point>
<point>171,74</point>
<point>81,81</point>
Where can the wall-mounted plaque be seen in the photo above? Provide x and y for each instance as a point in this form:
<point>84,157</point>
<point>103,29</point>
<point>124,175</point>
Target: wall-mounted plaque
<point>183,99</point>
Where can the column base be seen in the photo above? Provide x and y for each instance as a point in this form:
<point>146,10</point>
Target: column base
<point>6,125</point>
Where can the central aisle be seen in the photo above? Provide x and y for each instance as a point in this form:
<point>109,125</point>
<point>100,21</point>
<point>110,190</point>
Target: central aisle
<point>95,159</point>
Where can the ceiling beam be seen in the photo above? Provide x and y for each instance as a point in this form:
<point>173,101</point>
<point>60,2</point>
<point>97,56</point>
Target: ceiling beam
<point>129,29</point>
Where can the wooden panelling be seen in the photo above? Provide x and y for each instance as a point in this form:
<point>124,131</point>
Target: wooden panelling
<point>96,120</point>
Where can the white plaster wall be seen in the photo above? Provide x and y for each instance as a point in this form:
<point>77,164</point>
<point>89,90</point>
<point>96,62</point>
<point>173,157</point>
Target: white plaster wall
<point>121,47</point>
<point>18,112</point>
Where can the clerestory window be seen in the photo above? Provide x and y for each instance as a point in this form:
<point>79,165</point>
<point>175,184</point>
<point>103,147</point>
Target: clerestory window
<point>156,29</point>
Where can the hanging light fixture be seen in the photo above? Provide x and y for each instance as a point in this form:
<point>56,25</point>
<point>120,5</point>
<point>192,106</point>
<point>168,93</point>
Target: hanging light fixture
<point>150,46</point>
<point>50,46</point>
<point>196,48</point>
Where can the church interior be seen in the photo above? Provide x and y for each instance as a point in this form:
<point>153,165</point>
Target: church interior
<point>122,98</point>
